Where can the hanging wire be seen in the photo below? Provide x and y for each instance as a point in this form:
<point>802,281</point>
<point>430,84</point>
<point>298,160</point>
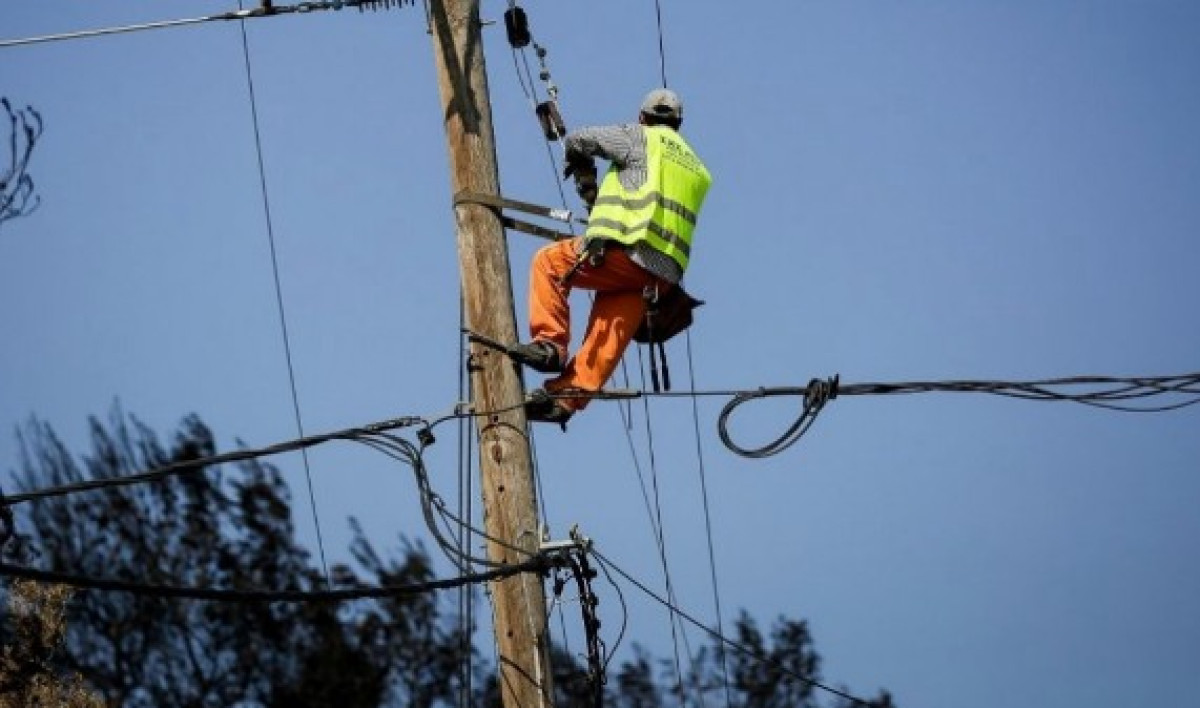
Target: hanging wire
<point>816,395</point>
<point>745,651</point>
<point>466,598</point>
<point>656,523</point>
<point>442,523</point>
<point>708,525</point>
<point>624,616</point>
<point>1110,393</point>
<point>662,54</point>
<point>287,344</point>
<point>1105,389</point>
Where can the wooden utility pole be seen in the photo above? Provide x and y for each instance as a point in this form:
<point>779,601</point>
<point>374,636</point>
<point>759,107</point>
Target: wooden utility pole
<point>510,508</point>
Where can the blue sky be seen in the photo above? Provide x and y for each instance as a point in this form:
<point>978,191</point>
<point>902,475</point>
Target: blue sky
<point>903,191</point>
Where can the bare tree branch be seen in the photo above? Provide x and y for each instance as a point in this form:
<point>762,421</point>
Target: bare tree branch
<point>17,192</point>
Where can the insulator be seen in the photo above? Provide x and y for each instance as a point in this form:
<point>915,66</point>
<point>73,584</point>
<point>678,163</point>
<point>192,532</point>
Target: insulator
<point>552,122</point>
<point>382,4</point>
<point>517,25</point>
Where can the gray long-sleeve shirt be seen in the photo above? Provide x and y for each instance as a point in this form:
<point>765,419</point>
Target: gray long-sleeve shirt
<point>624,146</point>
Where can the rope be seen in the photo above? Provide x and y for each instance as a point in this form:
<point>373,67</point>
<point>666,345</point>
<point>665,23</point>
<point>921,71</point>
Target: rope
<point>535,565</point>
<point>287,342</point>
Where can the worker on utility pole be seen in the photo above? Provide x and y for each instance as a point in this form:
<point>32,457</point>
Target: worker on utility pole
<point>636,247</point>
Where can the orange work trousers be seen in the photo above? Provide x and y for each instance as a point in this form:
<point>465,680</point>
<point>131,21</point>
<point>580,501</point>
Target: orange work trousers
<point>616,313</point>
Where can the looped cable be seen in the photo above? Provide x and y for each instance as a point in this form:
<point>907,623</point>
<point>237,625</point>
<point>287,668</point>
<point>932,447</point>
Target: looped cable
<point>820,392</point>
<point>814,398</point>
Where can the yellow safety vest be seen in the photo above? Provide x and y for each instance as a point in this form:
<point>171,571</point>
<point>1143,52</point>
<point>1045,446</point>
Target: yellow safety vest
<point>663,211</point>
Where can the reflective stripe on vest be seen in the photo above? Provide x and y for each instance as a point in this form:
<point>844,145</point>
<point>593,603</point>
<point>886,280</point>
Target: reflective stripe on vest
<point>663,212</point>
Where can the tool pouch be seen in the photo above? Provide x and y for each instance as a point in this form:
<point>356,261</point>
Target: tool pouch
<point>667,314</point>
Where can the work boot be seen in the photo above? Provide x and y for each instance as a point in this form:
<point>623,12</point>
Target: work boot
<point>538,355</point>
<point>541,408</point>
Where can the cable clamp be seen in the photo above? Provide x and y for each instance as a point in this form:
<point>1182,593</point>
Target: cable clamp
<point>819,392</point>
<point>576,541</point>
<point>403,422</point>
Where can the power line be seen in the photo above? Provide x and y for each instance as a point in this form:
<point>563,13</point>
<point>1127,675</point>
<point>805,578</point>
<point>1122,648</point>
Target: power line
<point>283,326</point>
<point>84,34</point>
<point>537,564</point>
<point>195,466</point>
<point>432,505</point>
<point>1105,390</point>
<point>660,533</point>
<point>466,598</point>
<point>708,525</point>
<point>1110,393</point>
<point>266,10</point>
<point>662,54</point>
<point>741,649</point>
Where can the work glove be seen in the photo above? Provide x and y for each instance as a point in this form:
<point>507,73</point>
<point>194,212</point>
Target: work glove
<point>583,169</point>
<point>578,164</point>
<point>587,189</point>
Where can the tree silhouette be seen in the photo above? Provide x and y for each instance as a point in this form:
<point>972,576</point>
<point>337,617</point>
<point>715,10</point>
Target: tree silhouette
<point>230,527</point>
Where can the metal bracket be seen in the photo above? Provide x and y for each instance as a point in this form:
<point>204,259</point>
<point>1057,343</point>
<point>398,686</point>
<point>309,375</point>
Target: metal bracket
<point>575,541</point>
